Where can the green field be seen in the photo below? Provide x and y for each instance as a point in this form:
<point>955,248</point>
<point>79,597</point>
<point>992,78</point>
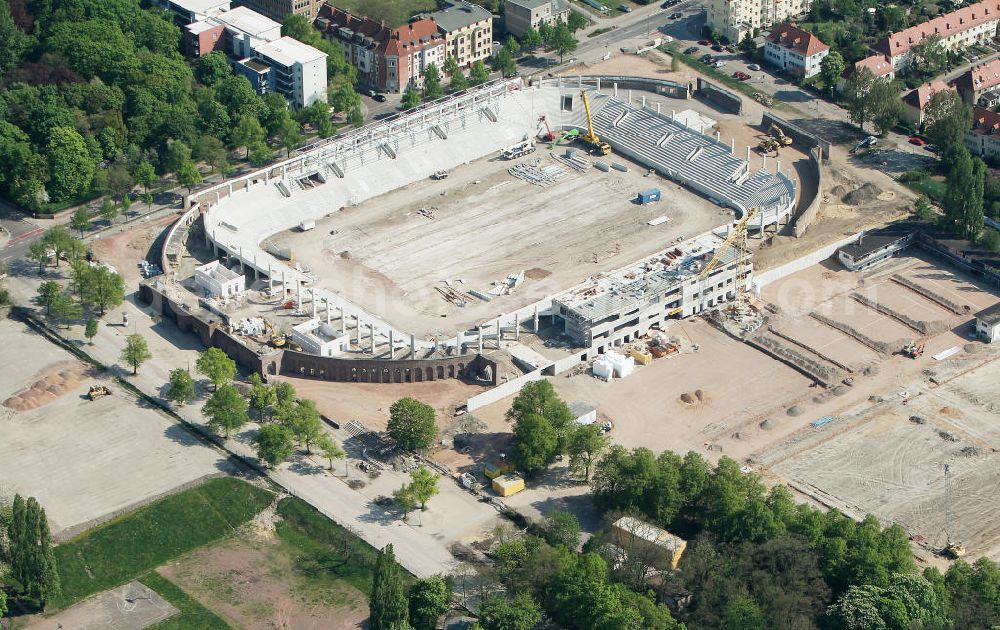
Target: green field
<point>192,615</point>
<point>134,544</point>
<point>325,552</point>
<point>394,12</point>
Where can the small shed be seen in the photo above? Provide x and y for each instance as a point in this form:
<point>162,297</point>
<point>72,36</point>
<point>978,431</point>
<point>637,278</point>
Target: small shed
<point>582,412</point>
<point>649,195</point>
<point>506,485</point>
<point>496,467</point>
<point>216,281</point>
<point>988,324</point>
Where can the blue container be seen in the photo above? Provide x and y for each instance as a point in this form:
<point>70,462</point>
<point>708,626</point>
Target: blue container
<point>649,196</point>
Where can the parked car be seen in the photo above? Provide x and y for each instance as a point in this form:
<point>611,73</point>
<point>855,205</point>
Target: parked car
<point>742,76</point>
<point>704,42</point>
<point>706,58</point>
<point>918,141</point>
<point>624,8</point>
<point>719,63</point>
<point>718,48</point>
<point>676,15</point>
<point>690,50</point>
<point>753,68</point>
<point>379,98</point>
<point>730,49</point>
<point>931,147</point>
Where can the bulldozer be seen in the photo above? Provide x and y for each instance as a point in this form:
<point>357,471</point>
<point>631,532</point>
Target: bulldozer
<point>595,144</point>
<point>913,349</point>
<point>779,134</point>
<point>98,391</point>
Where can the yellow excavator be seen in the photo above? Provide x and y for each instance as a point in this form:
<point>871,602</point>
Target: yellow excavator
<point>596,145</point>
<point>779,135</point>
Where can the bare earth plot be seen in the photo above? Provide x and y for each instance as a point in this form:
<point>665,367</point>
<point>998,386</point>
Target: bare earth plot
<point>904,300</point>
<point>132,606</point>
<point>388,257</point>
<point>955,286</point>
<point>828,341</point>
<point>86,460</point>
<point>869,322</point>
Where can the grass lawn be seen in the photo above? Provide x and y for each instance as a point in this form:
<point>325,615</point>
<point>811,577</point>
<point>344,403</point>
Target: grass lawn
<point>394,12</point>
<point>137,542</point>
<point>934,187</point>
<point>326,552</point>
<point>192,615</point>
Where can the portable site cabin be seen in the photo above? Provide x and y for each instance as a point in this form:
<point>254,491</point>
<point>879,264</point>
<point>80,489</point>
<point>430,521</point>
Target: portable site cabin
<point>506,485</point>
<point>649,196</point>
<point>496,467</point>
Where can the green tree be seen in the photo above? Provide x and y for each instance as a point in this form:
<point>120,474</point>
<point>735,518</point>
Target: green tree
<point>213,152</point>
<point>226,410</point>
<point>856,91</point>
<point>586,444</point>
<point>451,66</point>
<point>181,387</point>
<point>213,68</point>
<point>71,167</point>
<point>239,97</point>
<point>145,175</point>
<point>40,253</point>
<point>531,39</point>
<point>947,119</point>
<point>512,45</point>
<point>518,613</point>
<point>479,73</point>
<point>411,424</point>
<point>217,366</point>
<point>104,288</point>
<point>885,105</point>
<point>274,444</point>
<point>424,485</point>
<point>405,500</point>
<point>260,154</point>
<point>432,83</point>
<point>261,397</point>
<point>743,613</point>
<point>289,135</point>
<point>830,70</point>
<point>48,292</point>
<point>80,221</point>
<point>562,41</point>
<point>561,529</point>
<point>929,56</point>
<point>923,209</point>
<point>188,176</point>
<point>459,81</point>
<point>90,330</point>
<point>247,133</point>
<point>411,98</point>
<point>387,604</point>
<point>963,198</point>
<point>147,198</point>
<point>303,419</point>
<point>908,601</point>
<point>178,154</point>
<point>576,21</point>
<point>109,211</point>
<point>536,443</point>
<point>126,204</point>
<point>284,392</point>
<point>135,352</point>
<point>32,563</point>
<point>429,599</point>
<point>330,449</point>
<point>504,63</point>
<point>539,397</point>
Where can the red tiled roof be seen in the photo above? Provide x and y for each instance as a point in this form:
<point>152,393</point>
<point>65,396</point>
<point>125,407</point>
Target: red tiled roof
<point>920,96</point>
<point>979,78</point>
<point>985,122</point>
<point>339,18</point>
<point>897,44</point>
<point>796,39</point>
<point>415,34</point>
<point>878,65</point>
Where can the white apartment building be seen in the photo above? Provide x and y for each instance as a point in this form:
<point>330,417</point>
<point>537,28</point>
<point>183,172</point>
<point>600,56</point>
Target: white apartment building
<point>521,15</point>
<point>738,19</point>
<point>794,50</point>
<point>467,29</point>
<point>297,70</point>
<point>974,24</point>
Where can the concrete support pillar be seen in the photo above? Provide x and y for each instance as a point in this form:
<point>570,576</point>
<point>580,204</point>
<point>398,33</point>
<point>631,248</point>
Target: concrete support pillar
<point>298,294</point>
<point>673,115</point>
<point>630,96</point>
<point>357,321</point>
<point>230,190</point>
<point>392,346</point>
<point>343,322</point>
<point>748,154</point>
<point>763,163</point>
<point>535,320</point>
<point>598,84</point>
<point>718,136</point>
<point>732,146</point>
<point>499,333</point>
<point>480,331</point>
<point>284,287</point>
<point>657,108</point>
<point>217,197</point>
<point>413,347</point>
<point>517,326</point>
<point>615,85</point>
<point>643,100</point>
<point>312,294</point>
<point>372,346</point>
<point>777,169</point>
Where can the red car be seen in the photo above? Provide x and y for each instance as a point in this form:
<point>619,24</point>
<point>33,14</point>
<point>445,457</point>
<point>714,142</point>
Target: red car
<point>742,76</point>
<point>918,141</point>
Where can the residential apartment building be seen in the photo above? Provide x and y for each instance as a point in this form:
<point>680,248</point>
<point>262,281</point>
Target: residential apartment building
<point>188,11</point>
<point>521,15</point>
<point>738,19</point>
<point>980,85</point>
<point>467,30</point>
<point>974,24</point>
<point>878,65</point>
<point>387,59</point>
<point>984,137</point>
<point>916,100</point>
<point>272,63</point>
<point>278,9</point>
<point>794,50</point>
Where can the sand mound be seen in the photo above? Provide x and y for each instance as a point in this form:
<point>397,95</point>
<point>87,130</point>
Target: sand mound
<point>838,191</point>
<point>50,383</point>
<point>794,410</point>
<point>767,424</point>
<point>865,194</point>
<point>700,395</point>
<point>870,370</point>
<point>970,348</point>
<point>839,390</point>
<point>687,398</point>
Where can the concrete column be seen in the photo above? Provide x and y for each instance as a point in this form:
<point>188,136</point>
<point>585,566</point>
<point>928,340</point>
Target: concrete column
<point>315,305</point>
<point>763,163</point>
<point>343,322</point>
<point>372,346</point>
<point>718,136</point>
<point>673,115</point>
<point>327,312</point>
<point>732,146</point>
<point>615,85</point>
<point>630,96</point>
<point>218,198</point>
<point>748,154</point>
<point>480,331</point>
<point>535,319</point>
<point>517,326</point>
<point>298,294</point>
<point>598,84</point>
<point>657,108</point>
<point>392,348</point>
<point>230,190</point>
<point>499,333</point>
<point>777,169</point>
<point>643,100</point>
<point>284,287</point>
<point>413,347</point>
<point>357,320</point>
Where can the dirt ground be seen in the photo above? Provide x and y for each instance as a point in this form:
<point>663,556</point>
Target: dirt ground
<point>255,584</point>
<point>125,248</point>
<point>131,606</point>
<point>390,259</point>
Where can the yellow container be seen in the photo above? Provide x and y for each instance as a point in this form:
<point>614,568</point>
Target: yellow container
<point>642,358</point>
<point>506,485</point>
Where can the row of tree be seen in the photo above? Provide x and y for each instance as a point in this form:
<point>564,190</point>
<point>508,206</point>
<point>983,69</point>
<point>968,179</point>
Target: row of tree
<point>394,607</point>
<point>26,560</point>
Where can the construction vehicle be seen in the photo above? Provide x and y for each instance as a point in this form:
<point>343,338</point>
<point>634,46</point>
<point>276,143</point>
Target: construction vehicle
<point>439,175</point>
<point>278,340</point>
<point>768,145</point>
<point>566,135</point>
<point>595,144</point>
<point>952,549</point>
<point>779,134</point>
<point>97,391</point>
<point>518,150</point>
<point>737,239</point>
<point>549,134</point>
<point>913,349</point>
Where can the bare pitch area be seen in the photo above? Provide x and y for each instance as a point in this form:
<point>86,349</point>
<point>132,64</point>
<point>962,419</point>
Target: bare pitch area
<point>85,460</point>
<point>388,255</point>
<point>131,606</point>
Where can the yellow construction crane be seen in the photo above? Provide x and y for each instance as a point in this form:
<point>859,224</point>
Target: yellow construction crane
<point>597,146</point>
<point>737,239</point>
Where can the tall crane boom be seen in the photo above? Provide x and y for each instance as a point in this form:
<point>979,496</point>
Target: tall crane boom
<point>737,237</point>
<point>590,138</point>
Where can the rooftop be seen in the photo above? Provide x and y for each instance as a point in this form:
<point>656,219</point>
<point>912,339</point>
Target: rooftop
<point>460,14</point>
<point>253,64</point>
<point>534,4</point>
<point>985,122</point>
<point>878,65</point>
<point>877,239</point>
<point>990,315</point>
<point>897,44</point>
<point>287,52</point>
<point>981,77</point>
<point>920,96</point>
<point>247,21</point>
<point>649,533</point>
<point>579,408</point>
<point>797,40</point>
<point>203,7</point>
<point>218,271</point>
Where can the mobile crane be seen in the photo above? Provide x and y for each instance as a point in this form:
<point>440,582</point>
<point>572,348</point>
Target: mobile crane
<point>596,145</point>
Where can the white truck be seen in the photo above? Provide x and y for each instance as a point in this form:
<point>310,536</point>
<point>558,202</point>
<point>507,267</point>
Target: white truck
<point>518,150</point>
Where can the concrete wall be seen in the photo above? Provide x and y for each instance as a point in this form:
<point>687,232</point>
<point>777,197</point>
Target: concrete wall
<point>800,135</point>
<point>503,390</point>
<point>810,259</point>
<point>724,100</point>
<point>663,87</point>
<point>807,216</point>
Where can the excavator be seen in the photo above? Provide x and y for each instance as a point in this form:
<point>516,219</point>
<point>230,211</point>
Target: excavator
<point>779,135</point>
<point>913,349</point>
<point>768,146</point>
<point>595,144</point>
